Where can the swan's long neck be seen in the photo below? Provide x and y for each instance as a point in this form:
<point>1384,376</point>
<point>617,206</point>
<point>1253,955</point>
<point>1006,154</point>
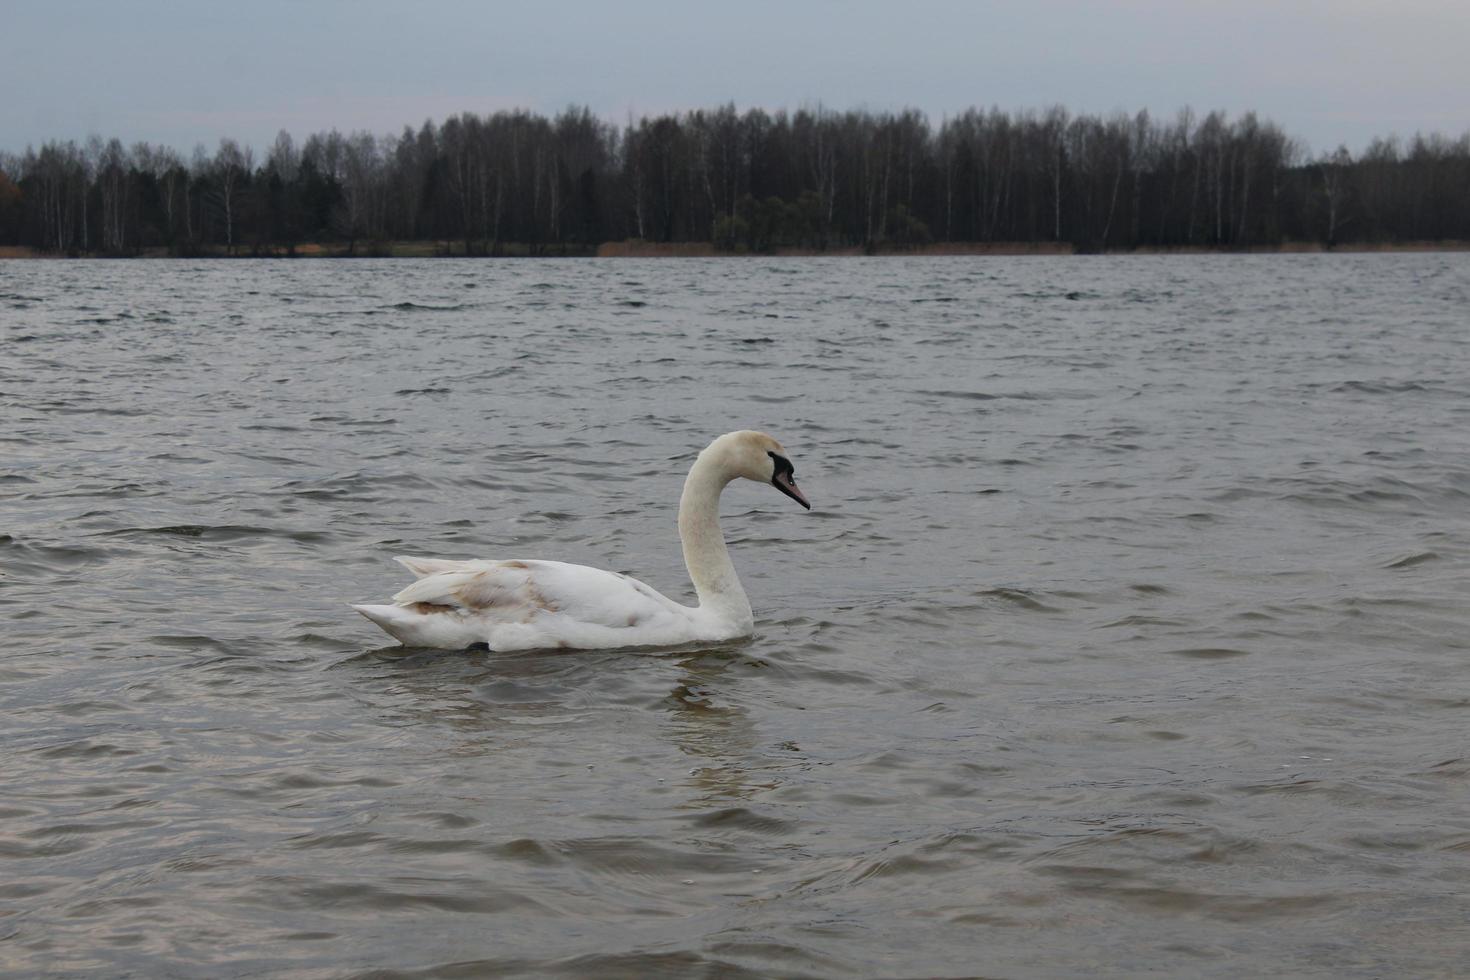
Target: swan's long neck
<point>705,553</point>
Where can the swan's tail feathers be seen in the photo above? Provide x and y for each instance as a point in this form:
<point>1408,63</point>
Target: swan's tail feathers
<point>423,567</point>
<point>392,619</point>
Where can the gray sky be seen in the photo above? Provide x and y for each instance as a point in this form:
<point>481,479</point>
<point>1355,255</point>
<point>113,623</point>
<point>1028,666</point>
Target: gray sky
<point>181,72</point>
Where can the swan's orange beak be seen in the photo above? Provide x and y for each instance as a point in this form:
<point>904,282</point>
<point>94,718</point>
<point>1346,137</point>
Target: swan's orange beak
<point>786,483</point>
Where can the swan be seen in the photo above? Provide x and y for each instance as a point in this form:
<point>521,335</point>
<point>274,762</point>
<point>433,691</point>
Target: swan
<point>524,604</point>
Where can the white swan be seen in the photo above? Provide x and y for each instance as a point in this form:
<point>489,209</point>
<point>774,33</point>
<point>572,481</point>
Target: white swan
<point>531,605</point>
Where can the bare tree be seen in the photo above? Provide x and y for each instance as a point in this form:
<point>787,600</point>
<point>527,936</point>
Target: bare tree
<point>1334,170</point>
<point>232,168</point>
<point>361,171</point>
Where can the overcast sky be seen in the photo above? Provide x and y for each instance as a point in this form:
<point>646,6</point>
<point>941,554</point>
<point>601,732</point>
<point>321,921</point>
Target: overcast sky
<point>181,72</point>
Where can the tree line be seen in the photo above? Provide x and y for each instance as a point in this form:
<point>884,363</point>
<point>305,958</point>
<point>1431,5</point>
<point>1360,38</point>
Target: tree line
<point>753,180</point>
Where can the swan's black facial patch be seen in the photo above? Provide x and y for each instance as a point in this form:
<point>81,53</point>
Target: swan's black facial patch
<point>783,465</point>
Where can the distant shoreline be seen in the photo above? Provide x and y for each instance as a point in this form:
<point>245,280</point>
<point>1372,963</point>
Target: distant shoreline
<point>659,250</point>
<point>705,250</point>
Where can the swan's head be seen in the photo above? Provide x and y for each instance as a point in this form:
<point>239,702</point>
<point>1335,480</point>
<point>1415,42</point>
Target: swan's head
<point>756,456</point>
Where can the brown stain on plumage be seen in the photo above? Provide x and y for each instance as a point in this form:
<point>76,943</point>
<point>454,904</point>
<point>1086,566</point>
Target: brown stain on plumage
<point>505,596</point>
<point>539,599</point>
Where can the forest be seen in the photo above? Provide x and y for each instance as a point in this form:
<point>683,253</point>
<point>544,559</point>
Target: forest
<point>751,181</point>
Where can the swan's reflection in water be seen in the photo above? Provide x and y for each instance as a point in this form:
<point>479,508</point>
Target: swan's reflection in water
<point>713,730</point>
<point>523,707</point>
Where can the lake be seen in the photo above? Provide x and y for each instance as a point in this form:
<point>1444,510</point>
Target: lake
<point>1128,632</point>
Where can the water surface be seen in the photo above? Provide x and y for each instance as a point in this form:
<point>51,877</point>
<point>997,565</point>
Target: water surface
<point>1128,633</point>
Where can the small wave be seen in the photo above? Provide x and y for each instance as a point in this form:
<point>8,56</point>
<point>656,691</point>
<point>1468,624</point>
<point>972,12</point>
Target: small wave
<point>1139,620</point>
<point>1409,561</point>
<point>742,818</point>
<point>1382,387</point>
<point>1025,396</point>
<point>45,556</point>
<point>409,306</point>
<point>342,420</point>
<point>1341,493</point>
<point>1022,598</point>
<point>218,532</point>
<point>979,396</point>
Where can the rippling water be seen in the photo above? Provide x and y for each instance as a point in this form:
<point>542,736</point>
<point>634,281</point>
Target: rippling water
<point>1128,634</point>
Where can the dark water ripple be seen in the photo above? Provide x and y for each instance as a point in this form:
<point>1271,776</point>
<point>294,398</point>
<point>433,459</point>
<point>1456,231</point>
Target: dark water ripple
<point>1129,633</point>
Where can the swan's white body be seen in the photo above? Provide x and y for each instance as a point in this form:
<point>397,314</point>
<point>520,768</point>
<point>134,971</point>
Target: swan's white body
<point>522,604</point>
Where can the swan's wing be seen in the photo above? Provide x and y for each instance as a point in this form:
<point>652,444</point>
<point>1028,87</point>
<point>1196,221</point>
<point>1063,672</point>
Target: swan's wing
<point>520,591</point>
<point>431,566</point>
